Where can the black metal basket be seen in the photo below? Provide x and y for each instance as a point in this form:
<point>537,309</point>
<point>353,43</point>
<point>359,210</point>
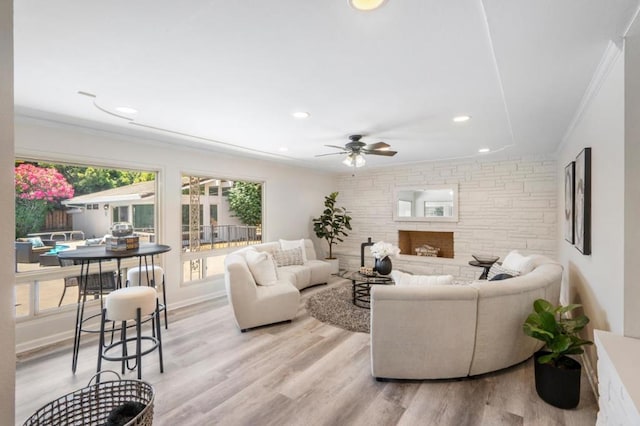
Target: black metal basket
<point>92,405</point>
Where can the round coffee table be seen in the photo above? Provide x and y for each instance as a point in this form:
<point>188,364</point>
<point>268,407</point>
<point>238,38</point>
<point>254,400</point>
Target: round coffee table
<point>361,286</point>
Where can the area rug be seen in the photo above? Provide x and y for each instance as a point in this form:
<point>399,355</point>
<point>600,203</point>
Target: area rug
<point>334,307</point>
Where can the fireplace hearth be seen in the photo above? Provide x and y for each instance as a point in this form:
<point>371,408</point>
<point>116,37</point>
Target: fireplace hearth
<point>410,241</point>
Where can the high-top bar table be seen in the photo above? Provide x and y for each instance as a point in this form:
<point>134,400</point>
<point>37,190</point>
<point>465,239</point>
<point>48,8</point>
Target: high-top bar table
<point>97,255</point>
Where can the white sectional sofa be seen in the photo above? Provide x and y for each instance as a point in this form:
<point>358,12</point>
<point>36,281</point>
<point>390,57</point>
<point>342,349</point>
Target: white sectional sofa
<point>447,331</point>
<point>260,296</point>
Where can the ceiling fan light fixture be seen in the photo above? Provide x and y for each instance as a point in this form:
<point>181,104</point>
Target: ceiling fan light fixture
<point>354,160</point>
<point>366,5</point>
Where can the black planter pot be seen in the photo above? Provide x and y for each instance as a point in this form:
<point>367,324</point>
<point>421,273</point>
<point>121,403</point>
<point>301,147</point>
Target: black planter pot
<point>383,266</point>
<point>558,386</point>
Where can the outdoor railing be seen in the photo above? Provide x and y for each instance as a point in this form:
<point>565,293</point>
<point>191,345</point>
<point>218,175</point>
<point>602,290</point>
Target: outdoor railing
<point>224,234</point>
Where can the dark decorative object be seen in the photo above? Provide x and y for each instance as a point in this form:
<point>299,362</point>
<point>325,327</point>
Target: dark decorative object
<point>557,376</point>
<point>124,413</point>
<point>383,266</point>
<point>582,200</point>
<point>558,386</point>
<point>569,189</point>
<point>362,246</point>
<point>121,229</point>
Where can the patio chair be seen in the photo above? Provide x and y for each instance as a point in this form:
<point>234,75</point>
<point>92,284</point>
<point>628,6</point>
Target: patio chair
<point>92,287</point>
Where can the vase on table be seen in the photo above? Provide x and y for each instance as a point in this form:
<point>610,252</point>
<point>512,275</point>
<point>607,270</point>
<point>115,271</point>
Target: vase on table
<point>383,266</point>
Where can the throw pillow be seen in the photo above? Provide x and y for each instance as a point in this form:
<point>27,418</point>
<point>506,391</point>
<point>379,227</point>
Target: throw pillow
<point>288,245</point>
<point>497,269</point>
<point>500,277</point>
<point>402,279</point>
<point>262,267</point>
<point>517,262</point>
<point>36,242</point>
<point>288,257</point>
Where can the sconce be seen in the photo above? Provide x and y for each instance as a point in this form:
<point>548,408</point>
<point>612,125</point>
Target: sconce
<point>106,207</point>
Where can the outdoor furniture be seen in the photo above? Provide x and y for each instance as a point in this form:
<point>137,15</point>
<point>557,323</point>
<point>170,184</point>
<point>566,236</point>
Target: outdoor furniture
<point>95,284</point>
<point>27,253</point>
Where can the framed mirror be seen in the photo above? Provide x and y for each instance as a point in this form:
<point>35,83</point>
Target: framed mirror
<point>426,203</point>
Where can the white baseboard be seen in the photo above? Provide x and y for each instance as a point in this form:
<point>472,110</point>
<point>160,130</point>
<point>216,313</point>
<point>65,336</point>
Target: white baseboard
<point>52,339</point>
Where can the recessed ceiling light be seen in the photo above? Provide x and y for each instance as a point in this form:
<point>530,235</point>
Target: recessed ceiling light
<point>283,149</point>
<point>126,110</point>
<point>483,150</point>
<point>461,118</point>
<point>301,114</point>
<point>366,4</point>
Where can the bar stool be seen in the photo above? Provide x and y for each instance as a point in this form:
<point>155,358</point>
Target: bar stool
<point>132,303</point>
<point>146,275</point>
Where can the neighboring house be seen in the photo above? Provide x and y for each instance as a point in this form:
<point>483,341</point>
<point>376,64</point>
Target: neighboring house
<point>95,213</point>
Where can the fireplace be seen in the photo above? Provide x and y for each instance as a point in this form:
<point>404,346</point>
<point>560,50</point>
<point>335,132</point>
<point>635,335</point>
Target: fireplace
<point>409,241</point>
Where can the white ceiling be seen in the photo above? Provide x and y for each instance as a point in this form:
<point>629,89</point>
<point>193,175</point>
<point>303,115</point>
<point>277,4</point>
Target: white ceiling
<point>229,73</point>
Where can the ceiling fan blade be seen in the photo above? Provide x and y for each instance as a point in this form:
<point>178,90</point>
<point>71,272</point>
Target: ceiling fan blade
<point>378,152</point>
<point>331,153</point>
<point>377,145</point>
<point>336,146</point>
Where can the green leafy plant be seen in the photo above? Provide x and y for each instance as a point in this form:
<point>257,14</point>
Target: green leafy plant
<point>245,201</point>
<point>559,332</point>
<point>332,222</point>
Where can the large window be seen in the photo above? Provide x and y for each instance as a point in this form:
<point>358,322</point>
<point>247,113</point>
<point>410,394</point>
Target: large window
<point>218,215</point>
<point>66,207</point>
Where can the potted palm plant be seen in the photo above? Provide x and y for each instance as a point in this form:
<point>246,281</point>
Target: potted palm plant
<point>331,226</point>
<point>557,375</point>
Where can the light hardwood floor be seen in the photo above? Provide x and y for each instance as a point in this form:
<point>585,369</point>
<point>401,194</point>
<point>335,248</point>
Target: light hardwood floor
<point>302,373</point>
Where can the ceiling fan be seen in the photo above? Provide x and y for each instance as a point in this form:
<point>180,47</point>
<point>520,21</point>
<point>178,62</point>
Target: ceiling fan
<point>356,149</point>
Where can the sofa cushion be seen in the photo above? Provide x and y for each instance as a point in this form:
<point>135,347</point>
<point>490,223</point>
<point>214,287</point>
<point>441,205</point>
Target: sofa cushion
<point>262,267</point>
<point>403,279</point>
<point>517,262</point>
<point>288,257</point>
<point>497,269</point>
<point>298,275</point>
<point>288,245</point>
<point>36,242</point>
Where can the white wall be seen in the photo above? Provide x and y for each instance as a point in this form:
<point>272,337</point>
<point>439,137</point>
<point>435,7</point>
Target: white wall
<point>287,211</point>
<point>7,327</point>
<point>632,183</point>
<point>597,281</point>
<point>504,204</point>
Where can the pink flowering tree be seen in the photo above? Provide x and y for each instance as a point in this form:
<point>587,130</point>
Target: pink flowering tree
<point>38,190</point>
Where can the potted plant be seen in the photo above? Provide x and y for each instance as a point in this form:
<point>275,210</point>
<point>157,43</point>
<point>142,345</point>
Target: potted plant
<point>331,226</point>
<point>557,375</point>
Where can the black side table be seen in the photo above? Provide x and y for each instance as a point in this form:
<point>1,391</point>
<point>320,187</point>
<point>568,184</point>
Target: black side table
<point>485,265</point>
<point>361,286</point>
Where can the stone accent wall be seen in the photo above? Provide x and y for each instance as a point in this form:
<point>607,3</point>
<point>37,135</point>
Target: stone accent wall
<point>503,205</point>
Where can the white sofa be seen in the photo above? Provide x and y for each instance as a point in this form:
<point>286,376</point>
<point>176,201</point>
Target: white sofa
<point>447,331</point>
<point>253,304</point>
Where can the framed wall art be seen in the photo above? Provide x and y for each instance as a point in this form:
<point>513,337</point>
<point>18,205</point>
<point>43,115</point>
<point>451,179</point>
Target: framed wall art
<point>569,188</point>
<point>582,200</point>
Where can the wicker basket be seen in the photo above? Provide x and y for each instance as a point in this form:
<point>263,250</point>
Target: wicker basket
<point>92,405</point>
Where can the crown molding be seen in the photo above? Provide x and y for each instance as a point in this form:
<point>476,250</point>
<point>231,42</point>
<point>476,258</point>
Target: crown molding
<point>607,61</point>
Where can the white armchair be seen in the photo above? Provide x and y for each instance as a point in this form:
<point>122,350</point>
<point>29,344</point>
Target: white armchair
<point>254,305</point>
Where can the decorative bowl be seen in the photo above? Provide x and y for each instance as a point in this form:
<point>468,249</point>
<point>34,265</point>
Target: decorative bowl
<point>121,229</point>
<point>485,258</point>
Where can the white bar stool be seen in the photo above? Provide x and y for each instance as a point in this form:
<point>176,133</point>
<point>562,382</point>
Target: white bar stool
<point>146,275</point>
<point>132,303</point>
